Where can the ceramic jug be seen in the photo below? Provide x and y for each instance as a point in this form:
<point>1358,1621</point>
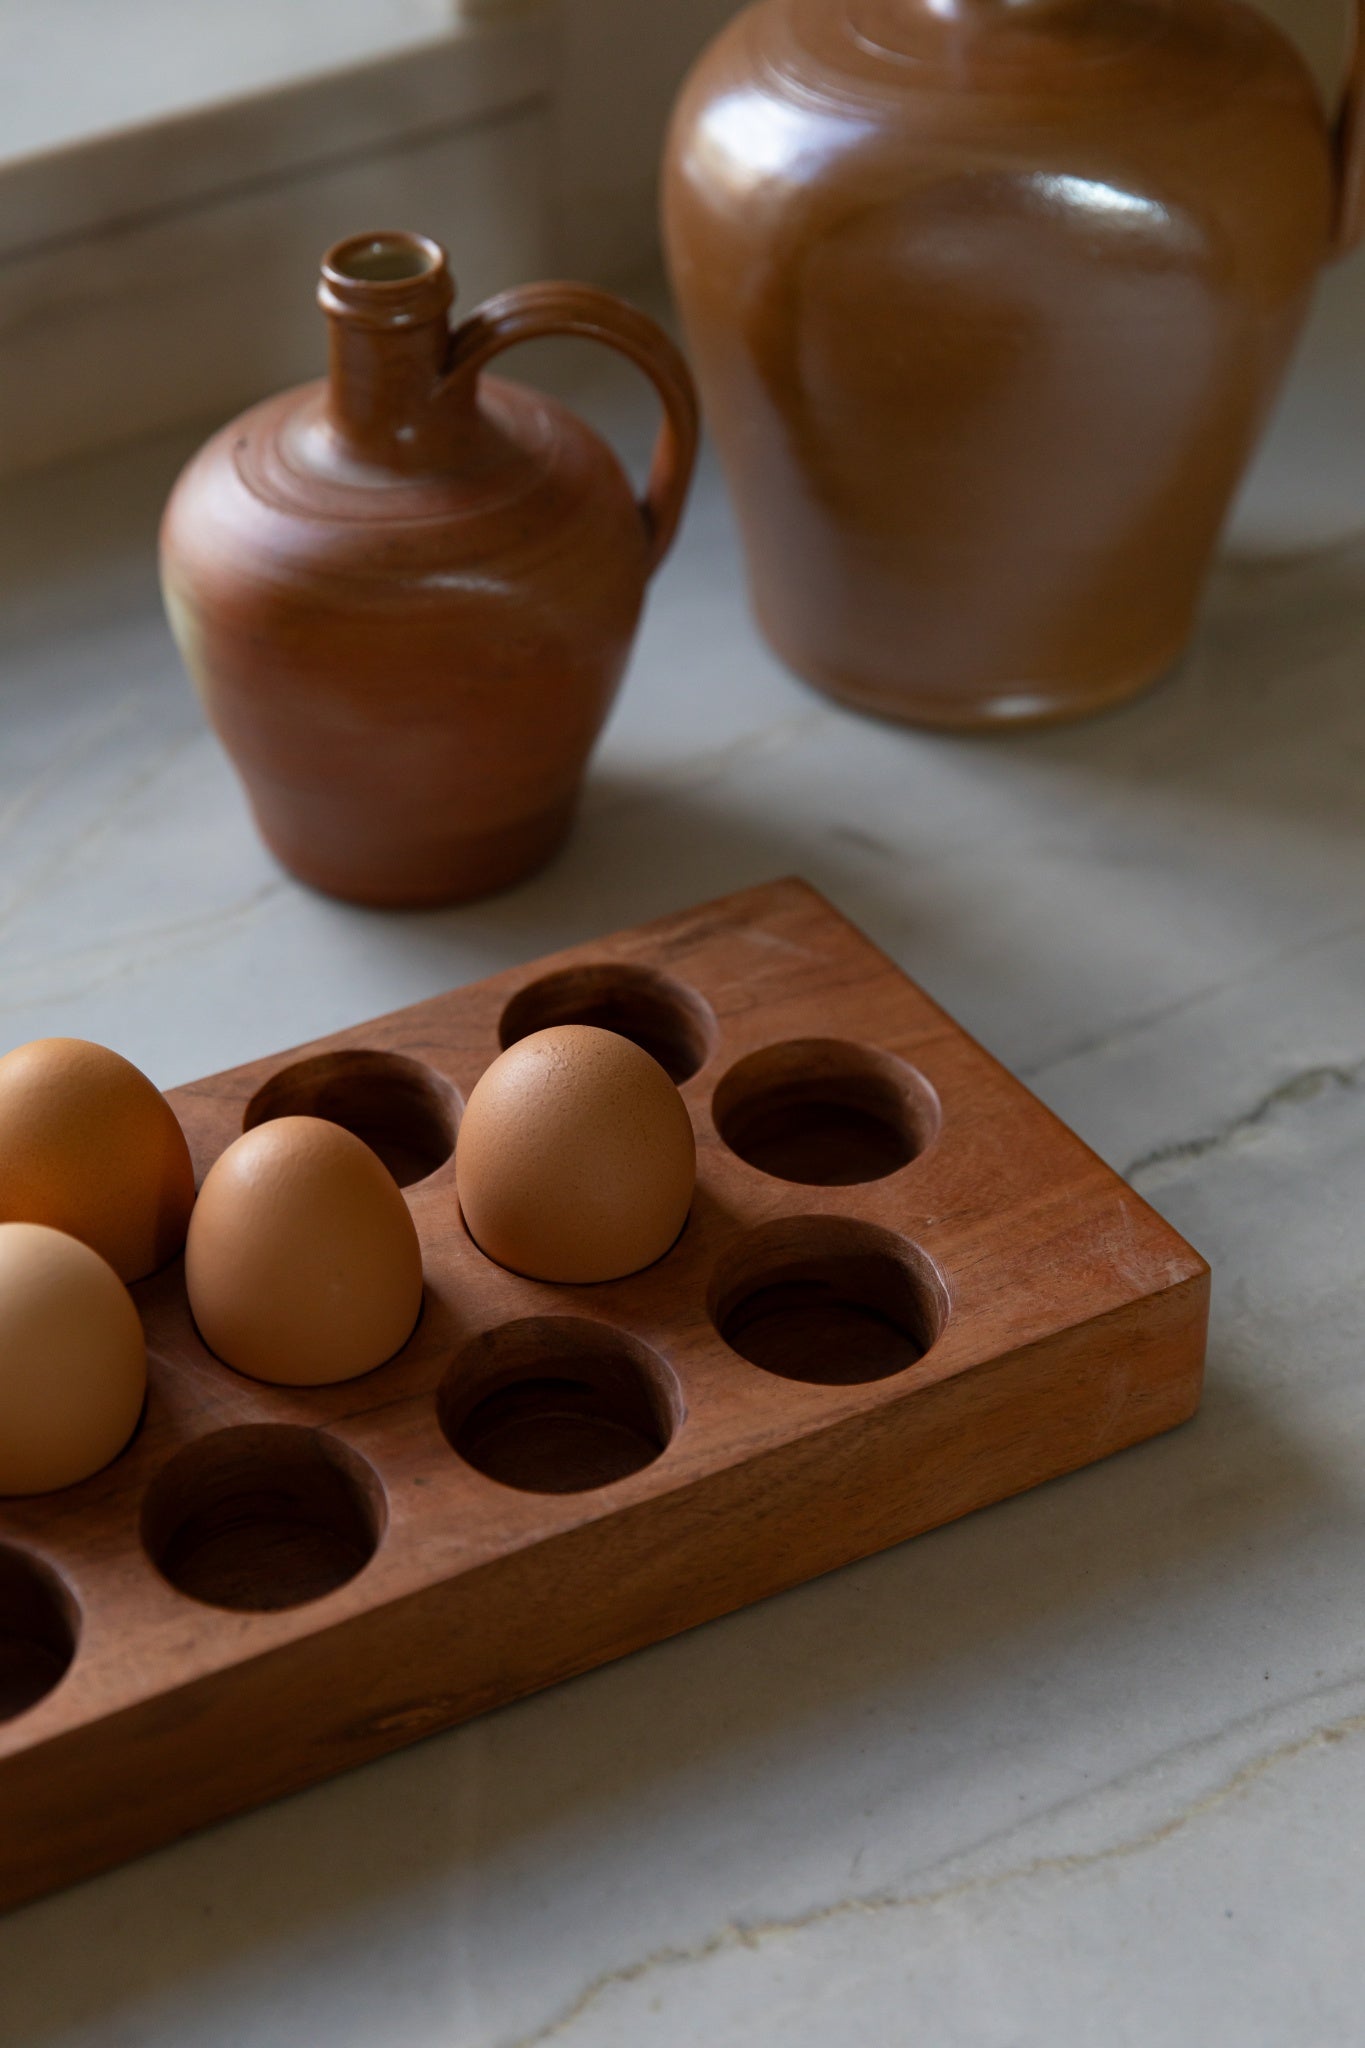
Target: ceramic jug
<point>407,593</point>
<point>988,301</point>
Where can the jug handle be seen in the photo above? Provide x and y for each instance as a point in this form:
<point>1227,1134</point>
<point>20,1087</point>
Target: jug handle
<point>530,311</point>
<point>1348,143</point>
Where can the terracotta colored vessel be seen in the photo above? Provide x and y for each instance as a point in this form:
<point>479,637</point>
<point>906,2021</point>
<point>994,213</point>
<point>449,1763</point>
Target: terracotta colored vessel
<point>988,301</point>
<point>407,593</point>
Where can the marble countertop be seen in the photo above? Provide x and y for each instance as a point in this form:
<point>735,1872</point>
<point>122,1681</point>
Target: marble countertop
<point>1086,1767</point>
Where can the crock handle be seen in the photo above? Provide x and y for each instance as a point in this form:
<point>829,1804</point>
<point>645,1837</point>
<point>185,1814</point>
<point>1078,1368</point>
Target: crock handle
<point>1348,143</point>
<point>533,310</point>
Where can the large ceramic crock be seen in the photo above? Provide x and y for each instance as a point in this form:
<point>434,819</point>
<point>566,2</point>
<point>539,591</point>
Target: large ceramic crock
<point>988,301</point>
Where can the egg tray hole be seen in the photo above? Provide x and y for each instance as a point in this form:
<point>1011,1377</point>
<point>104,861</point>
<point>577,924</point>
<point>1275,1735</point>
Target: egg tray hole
<point>839,1304</point>
<point>824,1112</point>
<point>667,1020</point>
<point>558,1404</point>
<point>402,1109</point>
<point>262,1518</point>
<point>37,1632</point>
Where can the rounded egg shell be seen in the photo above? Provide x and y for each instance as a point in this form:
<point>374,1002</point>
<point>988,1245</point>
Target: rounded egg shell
<point>575,1159</point>
<point>89,1146</point>
<point>303,1264</point>
<point>73,1360</point>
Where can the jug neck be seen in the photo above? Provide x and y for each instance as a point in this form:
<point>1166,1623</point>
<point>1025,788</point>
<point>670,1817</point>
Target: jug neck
<point>387,299</point>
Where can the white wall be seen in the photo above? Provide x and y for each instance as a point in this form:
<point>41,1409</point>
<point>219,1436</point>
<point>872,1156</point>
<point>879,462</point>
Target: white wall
<point>167,272</point>
<point>1305,489</point>
<point>1319,27</point>
<point>621,64</point>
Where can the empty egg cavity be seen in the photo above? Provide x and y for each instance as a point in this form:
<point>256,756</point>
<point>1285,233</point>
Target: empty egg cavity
<point>668,1020</point>
<point>825,1112</point>
<point>263,1517</point>
<point>38,1628</point>
<point>829,1301</point>
<point>558,1404</point>
<point>403,1109</point>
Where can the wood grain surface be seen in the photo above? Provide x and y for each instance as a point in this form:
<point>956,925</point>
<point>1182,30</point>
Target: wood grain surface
<point>944,1299</point>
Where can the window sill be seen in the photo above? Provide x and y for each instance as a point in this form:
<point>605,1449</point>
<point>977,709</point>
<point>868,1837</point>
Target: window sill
<point>160,271</point>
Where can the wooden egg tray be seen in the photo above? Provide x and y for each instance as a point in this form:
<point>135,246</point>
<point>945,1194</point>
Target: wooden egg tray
<point>934,1296</point>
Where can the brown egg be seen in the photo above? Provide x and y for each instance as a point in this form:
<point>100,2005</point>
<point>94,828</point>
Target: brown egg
<point>575,1159</point>
<point>89,1146</point>
<point>73,1360</point>
<point>303,1265</point>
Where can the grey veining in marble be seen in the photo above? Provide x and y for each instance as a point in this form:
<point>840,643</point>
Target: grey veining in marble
<point>1086,1767</point>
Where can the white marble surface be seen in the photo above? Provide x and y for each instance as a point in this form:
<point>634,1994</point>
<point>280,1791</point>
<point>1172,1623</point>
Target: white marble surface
<point>1089,1767</point>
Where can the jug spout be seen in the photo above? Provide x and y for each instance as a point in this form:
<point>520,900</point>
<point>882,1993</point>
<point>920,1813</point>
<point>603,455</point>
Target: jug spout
<point>387,298</point>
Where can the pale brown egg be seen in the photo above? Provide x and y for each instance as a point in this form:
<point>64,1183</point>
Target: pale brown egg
<point>575,1159</point>
<point>89,1146</point>
<point>73,1360</point>
<point>303,1264</point>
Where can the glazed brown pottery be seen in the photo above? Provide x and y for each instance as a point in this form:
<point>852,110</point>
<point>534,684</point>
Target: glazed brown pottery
<point>408,593</point>
<point>988,302</point>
